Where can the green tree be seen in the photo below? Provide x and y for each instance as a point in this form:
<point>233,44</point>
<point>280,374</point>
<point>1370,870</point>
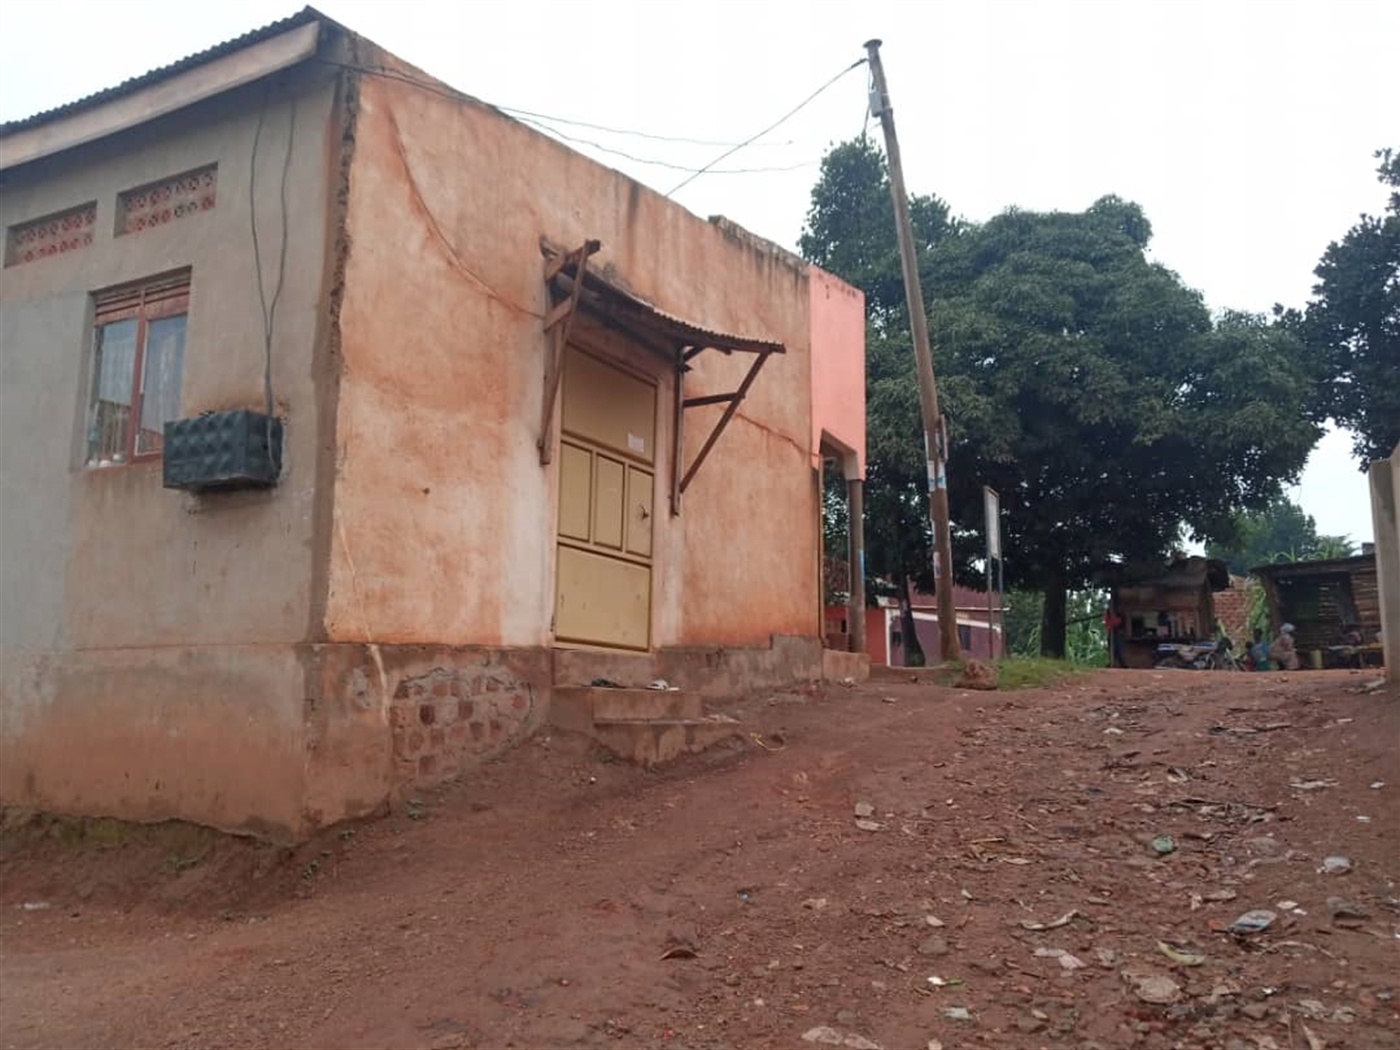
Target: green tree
<point>1353,323</point>
<point>1279,531</point>
<point>1083,382</point>
<point>1258,537</point>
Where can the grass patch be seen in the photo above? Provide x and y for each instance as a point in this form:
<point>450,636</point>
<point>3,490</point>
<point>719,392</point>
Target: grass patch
<point>1028,672</point>
<point>1013,672</point>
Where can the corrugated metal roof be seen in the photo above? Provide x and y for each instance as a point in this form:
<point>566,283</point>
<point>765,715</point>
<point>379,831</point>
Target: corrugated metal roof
<point>272,29</point>
<point>644,318</point>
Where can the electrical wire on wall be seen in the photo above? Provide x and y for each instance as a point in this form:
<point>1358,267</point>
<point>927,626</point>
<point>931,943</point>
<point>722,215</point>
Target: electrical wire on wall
<point>269,307</point>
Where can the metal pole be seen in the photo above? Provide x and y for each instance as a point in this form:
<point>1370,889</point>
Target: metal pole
<point>991,617</point>
<point>1001,600</point>
<point>935,434</point>
<point>855,502</point>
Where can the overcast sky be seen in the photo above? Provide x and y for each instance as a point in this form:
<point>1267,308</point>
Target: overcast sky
<point>1245,128</point>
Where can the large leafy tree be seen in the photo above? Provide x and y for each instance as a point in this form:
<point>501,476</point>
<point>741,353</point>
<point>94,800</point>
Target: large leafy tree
<point>1082,381</point>
<point>1353,323</point>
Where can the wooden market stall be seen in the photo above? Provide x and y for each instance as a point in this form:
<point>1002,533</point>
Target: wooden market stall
<point>1160,604</point>
<point>1325,601</point>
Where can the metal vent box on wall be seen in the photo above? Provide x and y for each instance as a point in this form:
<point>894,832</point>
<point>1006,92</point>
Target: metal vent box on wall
<point>222,450</point>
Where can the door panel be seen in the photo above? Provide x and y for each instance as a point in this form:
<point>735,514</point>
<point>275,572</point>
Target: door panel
<point>608,503</point>
<point>609,407</point>
<point>575,491</point>
<point>602,600</point>
<point>640,490</point>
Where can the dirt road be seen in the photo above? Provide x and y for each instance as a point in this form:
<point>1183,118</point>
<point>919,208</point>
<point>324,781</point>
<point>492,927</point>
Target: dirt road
<point>558,900</point>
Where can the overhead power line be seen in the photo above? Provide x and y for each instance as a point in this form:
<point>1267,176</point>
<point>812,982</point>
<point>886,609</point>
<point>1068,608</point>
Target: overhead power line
<point>655,163</point>
<point>536,120</point>
<point>679,139</point>
<point>777,123</point>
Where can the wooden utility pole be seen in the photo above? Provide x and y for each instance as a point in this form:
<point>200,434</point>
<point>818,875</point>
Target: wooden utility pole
<point>935,433</point>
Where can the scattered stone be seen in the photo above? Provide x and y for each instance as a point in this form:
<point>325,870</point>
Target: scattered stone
<point>1311,785</point>
<point>1236,1043</point>
<point>957,1013</point>
<point>1312,1009</point>
<point>1220,896</point>
<point>934,1044</point>
<point>815,903</point>
<point>869,825</point>
<point>1156,989</point>
<point>1107,957</point>
<point>827,1036</point>
<point>977,674</point>
<point>1335,866</point>
<point>864,809</point>
<point>1286,905</point>
<point>1163,844</point>
<point>1030,1025</point>
<point>934,921</point>
<point>935,945</point>
<point>1255,1011</point>
<point>1065,959</point>
<point>1376,785</point>
<point>1347,912</point>
<point>1256,921</point>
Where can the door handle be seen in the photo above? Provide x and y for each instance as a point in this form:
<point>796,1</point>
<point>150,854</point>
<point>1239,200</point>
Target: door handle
<point>645,513</point>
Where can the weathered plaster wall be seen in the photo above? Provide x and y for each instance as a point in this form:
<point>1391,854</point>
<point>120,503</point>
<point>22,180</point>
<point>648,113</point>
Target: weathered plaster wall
<point>445,519</point>
<point>149,666</point>
<point>1385,519</point>
<point>838,366</point>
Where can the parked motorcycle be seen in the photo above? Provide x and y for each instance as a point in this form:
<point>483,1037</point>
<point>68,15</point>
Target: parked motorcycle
<point>1198,656</point>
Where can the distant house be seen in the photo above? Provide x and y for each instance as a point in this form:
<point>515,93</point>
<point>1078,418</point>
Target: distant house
<point>978,634</point>
<point>1321,599</point>
<point>1165,603</point>
<point>345,418</point>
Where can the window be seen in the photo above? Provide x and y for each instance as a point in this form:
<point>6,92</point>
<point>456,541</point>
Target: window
<point>138,353</point>
<point>965,636</point>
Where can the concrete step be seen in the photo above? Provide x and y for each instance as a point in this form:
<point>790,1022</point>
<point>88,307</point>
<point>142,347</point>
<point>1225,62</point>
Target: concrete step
<point>653,741</point>
<point>579,707</point>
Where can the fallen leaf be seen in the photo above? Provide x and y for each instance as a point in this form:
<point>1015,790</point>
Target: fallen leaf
<point>1053,924</point>
<point>1181,954</point>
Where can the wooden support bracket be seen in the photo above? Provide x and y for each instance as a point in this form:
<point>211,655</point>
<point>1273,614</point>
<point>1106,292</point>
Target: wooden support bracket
<point>735,400</point>
<point>556,328</point>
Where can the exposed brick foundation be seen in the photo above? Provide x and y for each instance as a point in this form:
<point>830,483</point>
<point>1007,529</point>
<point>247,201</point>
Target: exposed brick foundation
<point>451,717</point>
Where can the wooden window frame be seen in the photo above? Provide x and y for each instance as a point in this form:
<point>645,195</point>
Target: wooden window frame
<point>151,299</point>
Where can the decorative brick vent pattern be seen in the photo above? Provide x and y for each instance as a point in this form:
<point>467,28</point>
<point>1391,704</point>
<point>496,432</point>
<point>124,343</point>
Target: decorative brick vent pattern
<point>67,231</point>
<point>167,201</point>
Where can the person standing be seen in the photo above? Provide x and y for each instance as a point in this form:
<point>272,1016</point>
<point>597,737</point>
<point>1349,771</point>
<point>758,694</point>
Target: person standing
<point>1282,651</point>
<point>1113,630</point>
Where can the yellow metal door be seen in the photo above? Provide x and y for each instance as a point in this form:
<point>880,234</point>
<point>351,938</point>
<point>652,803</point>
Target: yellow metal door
<point>606,492</point>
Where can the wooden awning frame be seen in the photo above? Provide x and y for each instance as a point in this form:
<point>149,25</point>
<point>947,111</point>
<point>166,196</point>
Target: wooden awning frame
<point>573,285</point>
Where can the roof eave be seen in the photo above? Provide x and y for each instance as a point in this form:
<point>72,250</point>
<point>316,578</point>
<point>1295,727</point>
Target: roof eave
<point>223,68</point>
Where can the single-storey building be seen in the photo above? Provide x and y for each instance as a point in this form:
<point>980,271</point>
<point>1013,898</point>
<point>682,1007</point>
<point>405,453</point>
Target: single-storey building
<point>980,626</point>
<point>347,421</point>
<point>1334,606</point>
<point>1159,604</point>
